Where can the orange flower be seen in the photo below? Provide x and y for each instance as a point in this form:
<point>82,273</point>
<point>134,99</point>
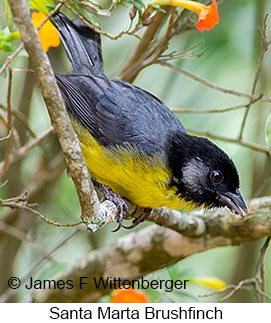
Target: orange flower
<point>48,35</point>
<point>129,296</point>
<point>208,16</point>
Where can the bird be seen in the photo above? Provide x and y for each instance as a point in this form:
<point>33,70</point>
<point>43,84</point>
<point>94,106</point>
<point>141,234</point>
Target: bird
<point>135,148</point>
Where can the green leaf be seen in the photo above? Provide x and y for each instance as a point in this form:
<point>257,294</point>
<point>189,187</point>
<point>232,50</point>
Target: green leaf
<point>50,7</point>
<point>139,4</point>
<point>5,46</point>
<point>8,15</point>
<point>268,132</point>
<point>158,8</point>
<point>6,39</point>
<point>42,5</point>
<point>12,36</point>
<point>173,272</point>
<point>86,14</point>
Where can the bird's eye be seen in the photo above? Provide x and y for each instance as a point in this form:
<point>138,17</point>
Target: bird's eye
<point>216,176</point>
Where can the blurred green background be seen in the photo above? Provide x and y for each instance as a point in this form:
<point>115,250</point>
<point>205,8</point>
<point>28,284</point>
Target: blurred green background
<point>230,61</point>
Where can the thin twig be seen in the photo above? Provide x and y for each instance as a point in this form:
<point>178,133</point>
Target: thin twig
<point>131,67</point>
<point>89,5</point>
<point>262,254</point>
<point>212,85</point>
<point>114,5</point>
<point>248,283</point>
<point>21,117</point>
<point>265,45</point>
<point>149,52</point>
<point>56,224</point>
<point>40,183</point>
<point>4,183</point>
<point>260,266</point>
<point>6,137</point>
<point>239,286</point>
<point>203,111</point>
<point>243,143</point>
<point>251,102</point>
<point>11,58</point>
<point>257,281</point>
<point>20,202</point>
<point>3,121</point>
<point>93,7</point>
<point>188,53</point>
<point>128,31</point>
<point>24,150</point>
<point>9,126</point>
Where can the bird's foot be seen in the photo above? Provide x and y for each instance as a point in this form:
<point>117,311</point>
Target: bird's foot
<point>122,206</point>
<point>144,216</point>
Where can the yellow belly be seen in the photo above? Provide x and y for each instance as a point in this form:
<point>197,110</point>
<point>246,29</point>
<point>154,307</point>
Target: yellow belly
<point>140,178</point>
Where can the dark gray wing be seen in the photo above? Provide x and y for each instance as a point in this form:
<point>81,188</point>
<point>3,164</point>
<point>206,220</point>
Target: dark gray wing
<point>118,113</point>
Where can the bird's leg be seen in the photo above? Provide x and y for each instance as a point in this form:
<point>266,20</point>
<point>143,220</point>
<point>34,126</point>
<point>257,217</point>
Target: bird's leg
<point>116,199</point>
<point>144,216</point>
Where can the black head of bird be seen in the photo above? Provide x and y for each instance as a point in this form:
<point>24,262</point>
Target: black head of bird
<point>203,174</point>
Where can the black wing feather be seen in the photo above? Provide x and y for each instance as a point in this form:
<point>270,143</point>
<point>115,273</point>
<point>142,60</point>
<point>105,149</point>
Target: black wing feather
<point>117,113</point>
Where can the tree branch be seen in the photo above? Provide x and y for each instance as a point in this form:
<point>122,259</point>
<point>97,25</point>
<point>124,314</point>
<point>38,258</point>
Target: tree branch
<point>9,127</point>
<point>131,67</point>
<point>265,45</point>
<point>238,141</point>
<point>153,247</point>
<point>94,214</point>
<point>212,85</point>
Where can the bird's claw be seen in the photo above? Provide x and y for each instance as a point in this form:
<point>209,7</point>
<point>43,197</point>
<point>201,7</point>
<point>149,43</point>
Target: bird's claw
<point>121,205</point>
<point>123,209</point>
<point>144,216</point>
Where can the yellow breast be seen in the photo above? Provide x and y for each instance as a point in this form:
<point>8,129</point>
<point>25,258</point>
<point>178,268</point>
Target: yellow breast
<point>140,178</point>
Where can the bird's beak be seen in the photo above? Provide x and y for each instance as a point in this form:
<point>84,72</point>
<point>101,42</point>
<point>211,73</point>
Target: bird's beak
<point>233,201</point>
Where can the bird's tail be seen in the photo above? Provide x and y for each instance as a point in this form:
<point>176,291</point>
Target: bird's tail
<point>82,44</point>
